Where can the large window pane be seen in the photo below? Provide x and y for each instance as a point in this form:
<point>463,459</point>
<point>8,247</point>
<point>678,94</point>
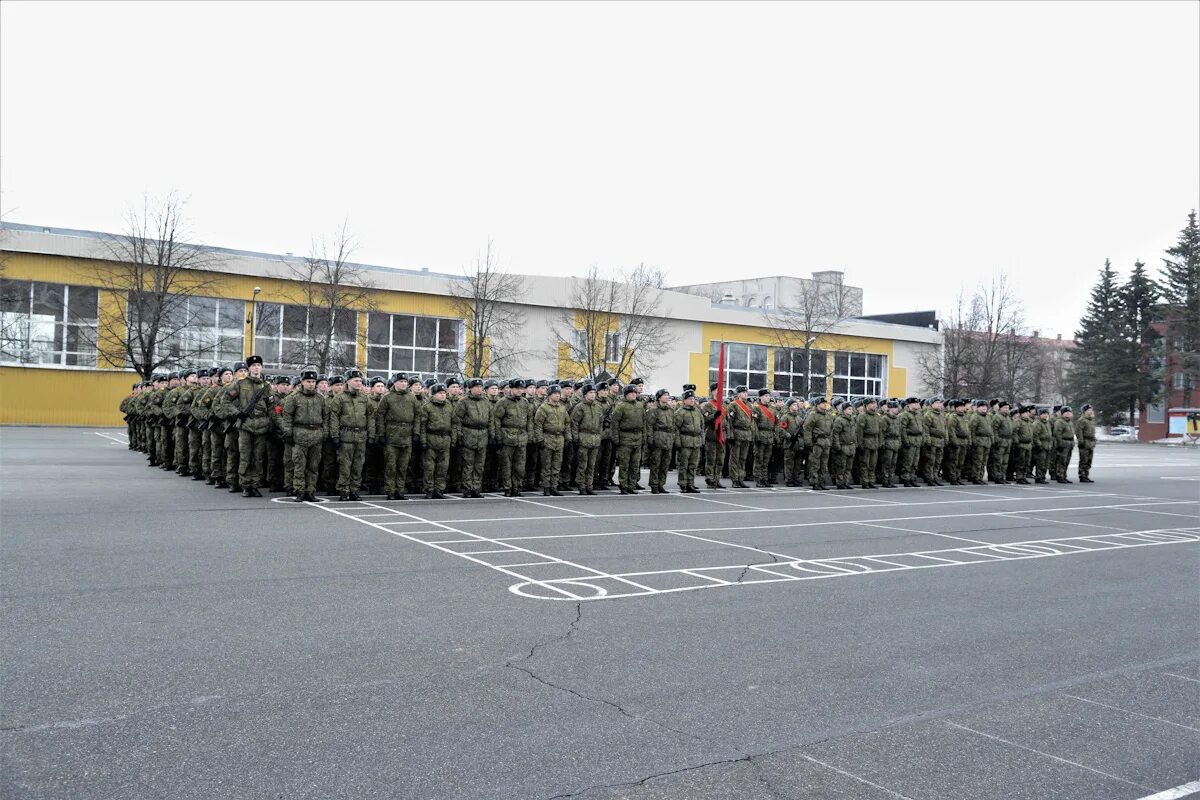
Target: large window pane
<point>14,296</point>
<point>266,319</point>
<point>423,361</point>
<point>426,332</point>
<point>48,300</point>
<point>81,306</point>
<point>402,330</point>
<point>294,322</point>
<point>447,333</point>
<point>202,312</point>
<point>402,359</point>
<point>230,314</point>
<point>379,329</point>
<point>345,325</point>
<point>377,359</point>
<point>758,359</point>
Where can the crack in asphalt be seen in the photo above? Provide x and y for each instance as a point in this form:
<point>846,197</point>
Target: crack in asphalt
<point>571,630</point>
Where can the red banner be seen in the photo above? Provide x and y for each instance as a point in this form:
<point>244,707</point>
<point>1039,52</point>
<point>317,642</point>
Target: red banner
<point>720,401</point>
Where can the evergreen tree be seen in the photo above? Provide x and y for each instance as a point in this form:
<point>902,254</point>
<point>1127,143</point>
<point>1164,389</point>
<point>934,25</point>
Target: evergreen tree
<point>1139,296</point>
<point>1180,286</point>
<point>1102,352</point>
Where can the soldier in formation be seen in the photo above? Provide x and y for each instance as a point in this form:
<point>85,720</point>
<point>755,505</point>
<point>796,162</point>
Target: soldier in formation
<point>238,429</point>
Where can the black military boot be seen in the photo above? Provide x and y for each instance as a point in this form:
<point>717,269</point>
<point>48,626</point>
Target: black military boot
<point>354,496</point>
<point>211,482</point>
<point>197,477</point>
<point>344,497</point>
<point>234,488</point>
<point>1086,480</point>
<point>555,493</point>
<point>438,496</point>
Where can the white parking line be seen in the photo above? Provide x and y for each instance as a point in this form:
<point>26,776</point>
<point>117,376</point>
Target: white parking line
<point>1134,713</point>
<point>1181,791</point>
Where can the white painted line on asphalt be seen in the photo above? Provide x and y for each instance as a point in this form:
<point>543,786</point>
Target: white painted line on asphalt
<point>854,777</point>
<point>723,502</point>
<point>112,439</point>
<point>1134,713</point>
<point>1181,677</point>
<point>967,491</point>
<point>547,505</point>
<point>1179,477</point>
<point>1047,755</point>
<point>837,509</point>
<point>1183,790</point>
<point>914,530</point>
<point>1019,515</point>
<point>1163,513</point>
<point>847,566</point>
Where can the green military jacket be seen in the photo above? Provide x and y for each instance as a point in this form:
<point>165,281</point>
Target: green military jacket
<point>1085,432</point>
<point>766,420</point>
<point>351,415</point>
<point>512,421</point>
<point>396,417</point>
<point>627,422</point>
<point>303,417</point>
<point>1063,431</point>
<point>170,410</point>
<point>936,426</point>
<point>587,423</point>
<point>818,429</point>
<point>870,427</point>
<point>660,426</point>
<point>740,421</point>
<point>892,435</point>
<point>246,401</point>
<point>788,433</point>
<point>1002,427</point>
<point>550,425</point>
<point>689,426</point>
<point>435,424</point>
<point>1023,432</point>
<point>912,428</point>
<point>981,429</point>
<point>1043,434</point>
<point>958,430</point>
<point>845,433</point>
<point>473,421</point>
<point>712,419</point>
<point>202,405</point>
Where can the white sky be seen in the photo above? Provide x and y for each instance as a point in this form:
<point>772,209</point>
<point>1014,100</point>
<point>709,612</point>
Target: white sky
<point>916,146</point>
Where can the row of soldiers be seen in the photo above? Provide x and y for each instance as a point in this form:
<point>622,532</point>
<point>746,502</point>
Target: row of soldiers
<point>238,429</point>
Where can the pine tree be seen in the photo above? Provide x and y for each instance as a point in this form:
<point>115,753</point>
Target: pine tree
<point>1102,352</point>
<point>1180,286</point>
<point>1139,296</point>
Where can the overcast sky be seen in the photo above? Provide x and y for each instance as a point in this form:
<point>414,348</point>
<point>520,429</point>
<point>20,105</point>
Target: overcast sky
<point>919,147</point>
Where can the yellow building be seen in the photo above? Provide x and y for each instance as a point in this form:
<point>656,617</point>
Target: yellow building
<point>65,315</point>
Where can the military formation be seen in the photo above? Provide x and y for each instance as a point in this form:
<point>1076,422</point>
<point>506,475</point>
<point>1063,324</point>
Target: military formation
<point>345,435</point>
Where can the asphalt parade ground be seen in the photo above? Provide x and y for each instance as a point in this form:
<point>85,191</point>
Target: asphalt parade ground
<point>163,639</point>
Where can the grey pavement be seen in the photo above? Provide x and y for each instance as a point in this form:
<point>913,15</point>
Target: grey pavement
<point>162,639</point>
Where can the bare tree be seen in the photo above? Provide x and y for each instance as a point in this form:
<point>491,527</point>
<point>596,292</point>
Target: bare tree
<point>162,281</point>
<point>615,323</point>
<point>487,301</point>
<point>812,313</point>
<point>331,290</point>
<point>984,350</point>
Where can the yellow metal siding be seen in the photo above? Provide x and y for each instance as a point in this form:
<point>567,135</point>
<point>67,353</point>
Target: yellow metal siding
<point>47,396</point>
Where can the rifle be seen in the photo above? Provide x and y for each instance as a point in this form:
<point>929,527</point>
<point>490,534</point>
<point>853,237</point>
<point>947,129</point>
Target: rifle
<point>258,395</point>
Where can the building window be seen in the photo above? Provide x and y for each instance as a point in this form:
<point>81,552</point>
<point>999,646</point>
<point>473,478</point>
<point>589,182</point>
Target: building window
<point>48,323</point>
<point>792,377</point>
<point>431,347</point>
<point>289,337</point>
<point>745,364</point>
<point>203,331</point>
<point>612,347</point>
<point>859,375</point>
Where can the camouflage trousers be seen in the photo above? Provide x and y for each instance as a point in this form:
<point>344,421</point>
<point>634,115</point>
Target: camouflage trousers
<point>252,456</point>
<point>585,466</point>
<point>350,457</point>
<point>688,463</point>
<point>1084,467</point>
<point>998,460</point>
